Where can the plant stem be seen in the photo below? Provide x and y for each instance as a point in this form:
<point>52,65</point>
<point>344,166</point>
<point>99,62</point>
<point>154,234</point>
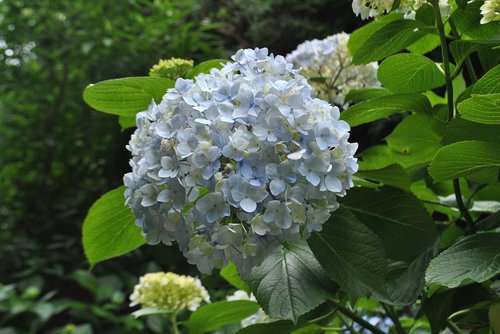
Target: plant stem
<point>468,62</point>
<point>391,312</point>
<point>451,325</point>
<point>451,107</point>
<point>173,321</point>
<point>362,322</point>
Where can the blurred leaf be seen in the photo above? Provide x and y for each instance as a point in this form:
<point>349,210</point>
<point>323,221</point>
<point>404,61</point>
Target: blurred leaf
<point>290,282</point>
<point>230,274</point>
<point>476,257</point>
<point>490,222</point>
<point>385,106</point>
<point>416,139</point>
<point>211,317</point>
<point>388,40</point>
<point>476,159</point>
<point>494,316</point>
<point>109,229</point>
<point>126,96</point>
<point>351,254</point>
<point>481,108</point>
<point>205,67</point>
<point>408,72</point>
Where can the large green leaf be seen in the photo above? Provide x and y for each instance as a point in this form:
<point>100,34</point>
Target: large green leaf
<point>425,44</point>
<point>460,130</point>
<point>214,316</point>
<point>109,230</point>
<point>351,253</point>
<point>126,96</point>
<point>205,67</point>
<point>290,282</point>
<point>408,73</point>
<point>397,217</point>
<point>476,258</point>
<point>385,106</point>
<point>392,175</point>
<point>388,40</point>
<point>489,83</point>
<point>376,157</point>
<point>483,109</point>
<point>467,22</point>
<point>475,159</point>
<point>416,139</point>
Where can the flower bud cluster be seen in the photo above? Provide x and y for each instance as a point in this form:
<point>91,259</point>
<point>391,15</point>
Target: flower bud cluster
<point>377,8</point>
<point>238,162</point>
<point>169,291</point>
<point>490,11</point>
<point>327,64</point>
<point>172,68</point>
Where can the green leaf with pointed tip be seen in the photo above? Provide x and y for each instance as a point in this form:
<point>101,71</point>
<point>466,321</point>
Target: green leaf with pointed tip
<point>211,317</point>
<point>474,159</point>
<point>483,109</point>
<point>408,73</point>
<point>385,106</point>
<point>392,175</point>
<point>351,254</point>
<point>290,282</point>
<point>126,122</point>
<point>205,67</point>
<point>109,229</point>
<point>475,258</point>
<point>126,96</point>
<point>416,140</point>
<point>231,275</point>
<point>389,39</point>
<point>397,217</point>
<point>489,83</point>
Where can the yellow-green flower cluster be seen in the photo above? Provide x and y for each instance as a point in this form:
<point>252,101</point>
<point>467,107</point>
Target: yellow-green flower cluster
<point>169,291</point>
<point>172,68</point>
<point>490,11</point>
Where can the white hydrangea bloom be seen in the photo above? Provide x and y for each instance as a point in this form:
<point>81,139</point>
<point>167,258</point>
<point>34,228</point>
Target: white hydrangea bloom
<point>410,7</point>
<point>237,162</point>
<point>371,8</point>
<point>259,317</point>
<point>328,66</point>
<point>490,11</point>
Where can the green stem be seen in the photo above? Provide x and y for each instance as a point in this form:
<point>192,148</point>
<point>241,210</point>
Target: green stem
<point>451,325</point>
<point>362,322</point>
<point>468,62</point>
<point>173,321</point>
<point>391,312</point>
<point>451,107</point>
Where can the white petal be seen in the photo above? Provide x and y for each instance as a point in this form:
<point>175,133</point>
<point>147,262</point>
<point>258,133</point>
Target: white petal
<point>248,205</point>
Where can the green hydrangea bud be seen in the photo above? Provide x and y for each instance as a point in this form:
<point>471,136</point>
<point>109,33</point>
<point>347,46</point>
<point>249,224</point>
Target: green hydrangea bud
<point>169,291</point>
<point>173,68</point>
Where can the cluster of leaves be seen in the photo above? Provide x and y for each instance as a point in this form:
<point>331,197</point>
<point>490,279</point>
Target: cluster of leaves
<point>422,225</point>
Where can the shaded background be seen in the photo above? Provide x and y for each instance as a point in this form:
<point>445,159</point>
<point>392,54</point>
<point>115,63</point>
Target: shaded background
<point>57,156</point>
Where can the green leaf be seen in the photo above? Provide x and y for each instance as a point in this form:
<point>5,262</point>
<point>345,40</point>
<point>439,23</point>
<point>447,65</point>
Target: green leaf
<point>483,109</point>
<point>376,157</point>
<point>416,140</point>
<point>408,73</point>
<point>126,122</point>
<point>490,222</point>
<point>385,106</point>
<point>392,175</point>
<point>425,14</point>
<point>461,130</point>
<point>290,282</point>
<point>275,327</point>
<point>363,94</point>
<point>231,275</point>
<point>397,217</point>
<point>489,83</point>
<point>109,229</point>
<point>361,35</point>
<point>211,317</point>
<point>126,96</point>
<point>467,22</point>
<point>205,67</point>
<point>476,258</point>
<point>425,44</point>
<point>388,40</point>
<point>461,49</point>
<point>494,317</point>
<point>351,254</point>
<point>475,159</point>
